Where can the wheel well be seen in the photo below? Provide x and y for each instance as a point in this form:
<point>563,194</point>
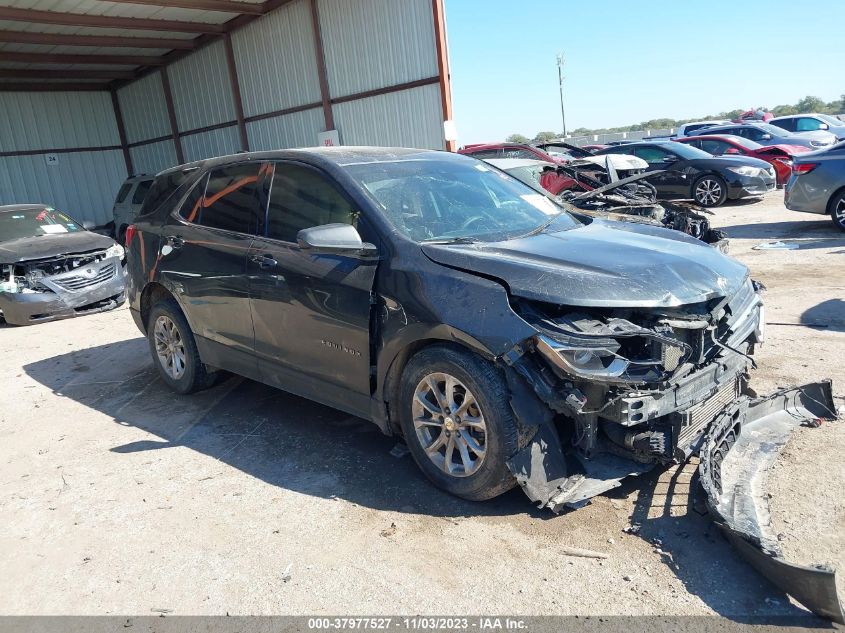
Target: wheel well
<point>390,394</point>
<point>153,293</point>
<point>839,191</point>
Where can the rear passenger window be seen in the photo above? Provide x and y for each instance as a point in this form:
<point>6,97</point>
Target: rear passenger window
<point>191,207</point>
<point>141,191</point>
<point>300,198</point>
<point>124,191</point>
<point>163,187</point>
<point>231,200</point>
<point>487,153</point>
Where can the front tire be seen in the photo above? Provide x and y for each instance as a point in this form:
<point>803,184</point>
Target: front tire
<point>174,349</point>
<point>710,190</point>
<point>455,413</point>
<point>837,210</point>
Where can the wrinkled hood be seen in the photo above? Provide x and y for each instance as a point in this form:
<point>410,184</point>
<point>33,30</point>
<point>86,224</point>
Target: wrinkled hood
<point>45,246</point>
<point>602,264</point>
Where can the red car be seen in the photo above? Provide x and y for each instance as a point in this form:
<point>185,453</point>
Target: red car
<point>512,150</point>
<point>779,156</point>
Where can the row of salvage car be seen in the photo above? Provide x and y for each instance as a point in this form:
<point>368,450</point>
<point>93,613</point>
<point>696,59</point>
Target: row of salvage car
<point>509,338</point>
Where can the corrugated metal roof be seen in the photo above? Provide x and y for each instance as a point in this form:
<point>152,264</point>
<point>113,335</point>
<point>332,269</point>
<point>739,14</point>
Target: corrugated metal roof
<point>116,9</point>
<point>202,92</point>
<point>372,44</point>
<point>275,60</point>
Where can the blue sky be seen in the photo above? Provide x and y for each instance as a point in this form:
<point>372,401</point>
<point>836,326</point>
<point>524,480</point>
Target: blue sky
<point>632,61</point>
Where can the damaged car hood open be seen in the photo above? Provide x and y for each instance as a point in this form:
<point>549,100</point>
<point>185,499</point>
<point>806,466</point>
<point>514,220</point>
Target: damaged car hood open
<point>602,264</point>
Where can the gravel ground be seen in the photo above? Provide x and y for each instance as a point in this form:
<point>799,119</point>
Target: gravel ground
<point>119,497</point>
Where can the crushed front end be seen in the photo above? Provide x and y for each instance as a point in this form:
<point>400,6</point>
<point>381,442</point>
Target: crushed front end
<point>628,389</point>
<point>48,289</point>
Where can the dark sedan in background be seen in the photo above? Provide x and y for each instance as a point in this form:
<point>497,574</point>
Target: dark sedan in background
<point>687,172</point>
<point>778,156</point>
<point>817,184</point>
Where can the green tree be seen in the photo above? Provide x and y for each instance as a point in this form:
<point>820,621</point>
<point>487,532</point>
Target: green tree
<point>517,138</point>
<point>810,104</point>
<point>543,137</point>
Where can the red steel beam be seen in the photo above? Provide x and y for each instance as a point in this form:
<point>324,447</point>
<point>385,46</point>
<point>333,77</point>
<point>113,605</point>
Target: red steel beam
<point>22,73</point>
<point>33,16</point>
<point>58,39</point>
<point>325,96</point>
<point>171,113</point>
<point>21,86</point>
<point>443,64</point>
<point>62,58</point>
<point>224,6</point>
<point>121,132</point>
<point>236,91</point>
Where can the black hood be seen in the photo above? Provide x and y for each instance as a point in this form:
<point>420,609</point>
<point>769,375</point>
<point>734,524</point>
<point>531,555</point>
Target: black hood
<point>603,264</point>
<point>46,246</point>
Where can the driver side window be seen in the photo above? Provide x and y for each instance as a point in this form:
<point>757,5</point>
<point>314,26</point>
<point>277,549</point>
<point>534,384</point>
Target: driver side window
<point>717,148</point>
<point>301,198</point>
<point>651,155</point>
<point>807,124</point>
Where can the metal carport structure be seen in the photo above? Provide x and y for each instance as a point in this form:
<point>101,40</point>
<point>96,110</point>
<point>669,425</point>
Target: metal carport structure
<point>94,90</point>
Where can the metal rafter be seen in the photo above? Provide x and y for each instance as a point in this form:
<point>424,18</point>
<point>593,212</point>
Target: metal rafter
<point>21,73</point>
<point>58,39</point>
<point>63,58</point>
<point>34,16</point>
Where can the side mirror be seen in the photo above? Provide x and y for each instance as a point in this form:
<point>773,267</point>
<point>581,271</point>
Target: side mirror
<point>824,126</point>
<point>334,238</point>
<point>766,137</point>
<point>669,160</point>
<point>88,225</point>
<point>732,150</point>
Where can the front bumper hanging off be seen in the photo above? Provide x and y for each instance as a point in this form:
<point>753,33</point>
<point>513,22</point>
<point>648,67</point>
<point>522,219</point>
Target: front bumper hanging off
<point>739,448</point>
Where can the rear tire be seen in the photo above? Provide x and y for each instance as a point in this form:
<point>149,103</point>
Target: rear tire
<point>453,398</point>
<point>174,349</point>
<point>837,210</point>
<point>710,190</point>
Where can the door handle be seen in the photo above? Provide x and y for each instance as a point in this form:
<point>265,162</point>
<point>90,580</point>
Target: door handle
<point>174,241</point>
<point>264,261</point>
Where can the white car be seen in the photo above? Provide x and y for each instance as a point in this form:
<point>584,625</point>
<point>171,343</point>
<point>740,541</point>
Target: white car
<point>128,202</point>
<point>686,128</point>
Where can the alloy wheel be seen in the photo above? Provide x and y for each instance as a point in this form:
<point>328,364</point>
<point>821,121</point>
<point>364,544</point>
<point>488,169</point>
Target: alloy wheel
<point>708,191</point>
<point>449,424</point>
<point>170,348</point>
<point>839,212</point>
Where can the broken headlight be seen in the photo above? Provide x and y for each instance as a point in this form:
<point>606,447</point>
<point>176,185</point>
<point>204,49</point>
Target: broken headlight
<point>115,250</point>
<point>588,358</point>
<point>629,359</point>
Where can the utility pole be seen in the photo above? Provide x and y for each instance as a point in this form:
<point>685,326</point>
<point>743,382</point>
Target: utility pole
<point>560,62</point>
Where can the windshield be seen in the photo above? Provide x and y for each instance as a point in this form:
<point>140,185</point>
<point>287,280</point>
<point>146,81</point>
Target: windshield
<point>831,120</point>
<point>689,153</point>
<point>773,129</point>
<point>451,199</point>
<point>34,222</point>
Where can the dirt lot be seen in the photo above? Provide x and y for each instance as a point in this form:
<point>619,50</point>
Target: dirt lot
<point>117,496</point>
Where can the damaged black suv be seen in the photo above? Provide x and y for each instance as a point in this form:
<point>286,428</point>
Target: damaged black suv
<point>507,340</point>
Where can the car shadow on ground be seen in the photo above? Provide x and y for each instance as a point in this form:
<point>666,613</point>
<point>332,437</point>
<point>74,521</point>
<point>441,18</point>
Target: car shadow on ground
<point>282,439</point>
<point>829,315</point>
<point>299,445</point>
<point>806,233</point>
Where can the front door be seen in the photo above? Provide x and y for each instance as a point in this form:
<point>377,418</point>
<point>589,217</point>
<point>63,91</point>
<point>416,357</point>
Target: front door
<point>672,182</point>
<point>204,253</point>
<point>311,311</point>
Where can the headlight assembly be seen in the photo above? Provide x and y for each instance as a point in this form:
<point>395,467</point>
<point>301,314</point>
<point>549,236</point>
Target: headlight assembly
<point>745,170</point>
<point>596,359</point>
<point>115,250</point>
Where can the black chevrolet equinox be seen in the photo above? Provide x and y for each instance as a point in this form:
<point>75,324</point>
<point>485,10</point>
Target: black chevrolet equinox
<point>450,304</point>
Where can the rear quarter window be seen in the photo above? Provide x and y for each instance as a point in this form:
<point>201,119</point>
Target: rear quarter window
<point>141,191</point>
<point>162,188</point>
<point>123,192</point>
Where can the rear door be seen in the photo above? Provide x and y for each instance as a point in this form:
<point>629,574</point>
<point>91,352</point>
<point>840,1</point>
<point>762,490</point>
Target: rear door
<point>204,249</point>
<point>311,311</point>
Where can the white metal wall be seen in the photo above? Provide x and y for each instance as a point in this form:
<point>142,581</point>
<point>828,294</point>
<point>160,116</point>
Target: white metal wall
<point>368,45</point>
<point>373,44</point>
<point>82,184</point>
